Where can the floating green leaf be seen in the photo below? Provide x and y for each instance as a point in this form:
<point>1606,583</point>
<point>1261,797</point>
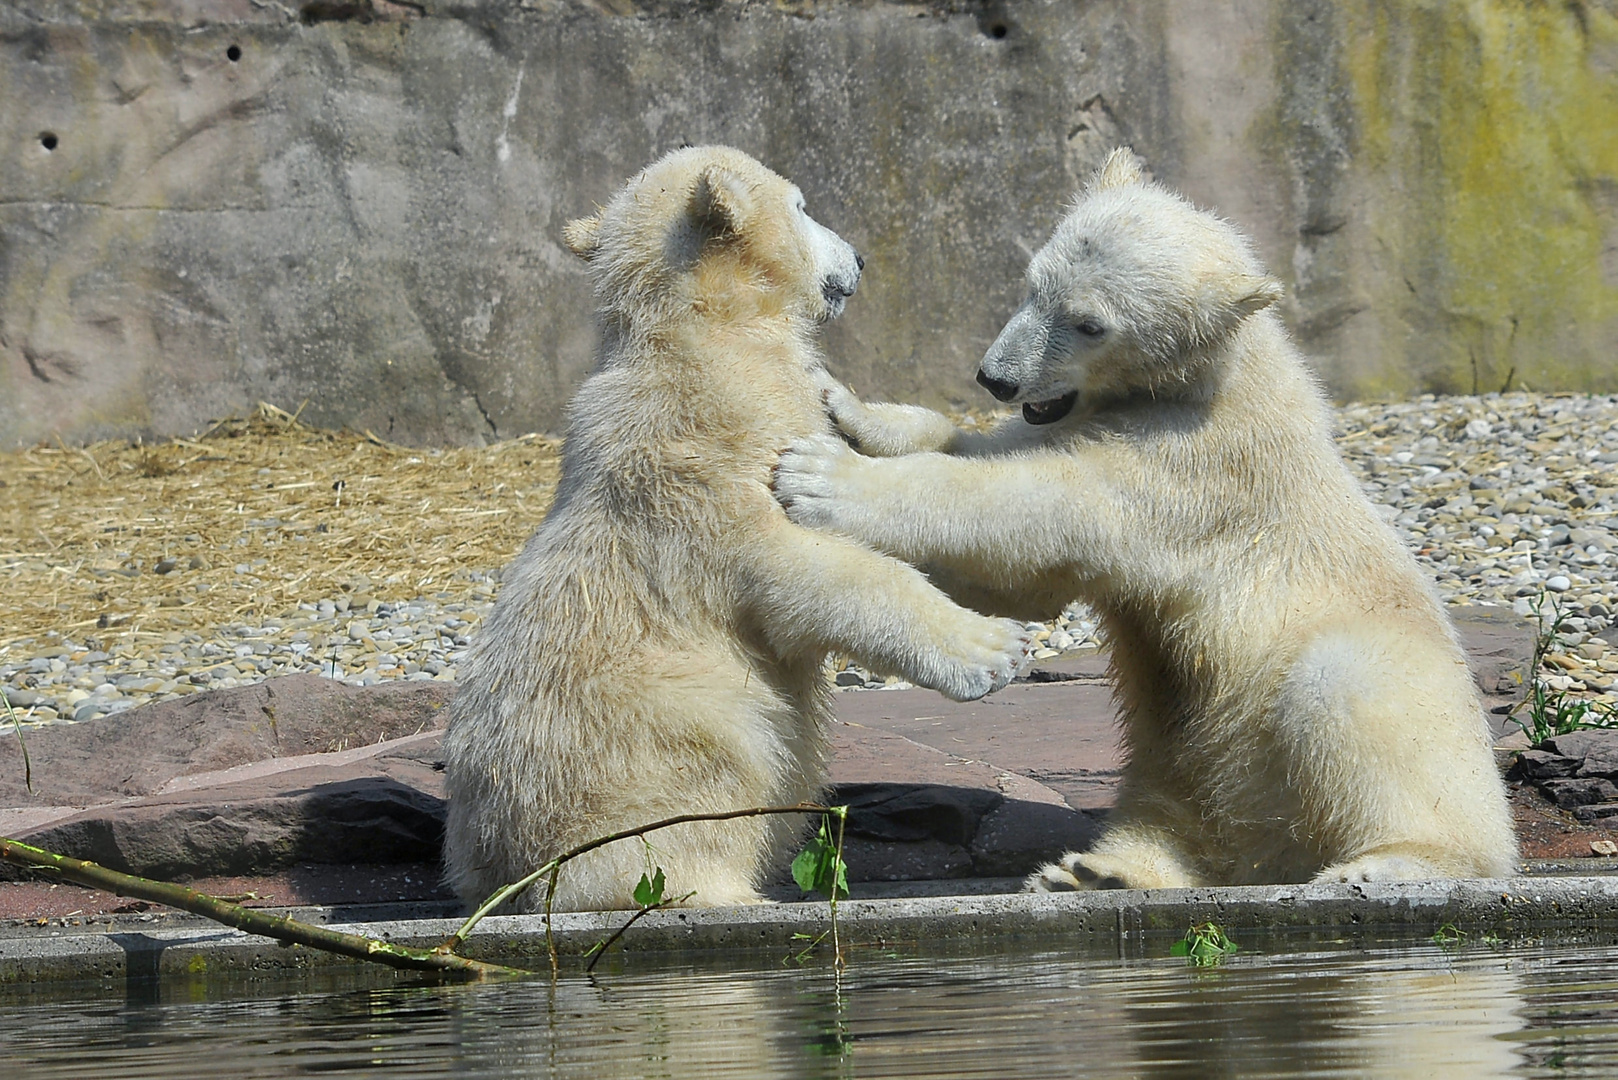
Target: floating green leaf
<point>1448,936</point>
<point>1204,945</point>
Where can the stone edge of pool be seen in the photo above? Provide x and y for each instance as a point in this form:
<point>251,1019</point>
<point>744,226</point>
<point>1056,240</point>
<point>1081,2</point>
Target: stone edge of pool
<point>1101,921</point>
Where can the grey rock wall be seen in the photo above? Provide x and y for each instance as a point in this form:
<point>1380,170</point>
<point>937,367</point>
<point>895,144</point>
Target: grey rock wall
<point>354,206</point>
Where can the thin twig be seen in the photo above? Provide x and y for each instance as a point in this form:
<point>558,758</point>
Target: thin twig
<point>552,868</point>
<point>601,949</point>
<point>278,927</point>
<point>550,895</point>
<point>836,873</point>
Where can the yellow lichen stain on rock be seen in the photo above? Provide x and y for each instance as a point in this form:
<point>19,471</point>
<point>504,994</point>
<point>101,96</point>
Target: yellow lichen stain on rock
<point>1488,146</point>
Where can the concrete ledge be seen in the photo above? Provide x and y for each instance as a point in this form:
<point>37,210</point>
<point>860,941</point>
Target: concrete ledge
<point>1101,922</point>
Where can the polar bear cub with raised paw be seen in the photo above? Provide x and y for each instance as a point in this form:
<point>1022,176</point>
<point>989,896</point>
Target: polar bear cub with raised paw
<point>1294,701</point>
<point>658,646</point>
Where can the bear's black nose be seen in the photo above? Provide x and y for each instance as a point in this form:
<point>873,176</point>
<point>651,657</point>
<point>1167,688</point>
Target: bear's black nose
<point>1002,391</point>
<point>859,260</point>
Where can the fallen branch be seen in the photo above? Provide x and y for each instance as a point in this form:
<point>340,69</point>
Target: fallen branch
<point>443,957</point>
<point>278,927</point>
<point>553,868</point>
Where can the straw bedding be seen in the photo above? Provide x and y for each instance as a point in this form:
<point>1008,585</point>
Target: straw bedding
<point>119,542</point>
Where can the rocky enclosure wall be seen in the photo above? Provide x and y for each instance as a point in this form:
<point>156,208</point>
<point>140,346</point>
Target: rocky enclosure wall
<point>357,203</point>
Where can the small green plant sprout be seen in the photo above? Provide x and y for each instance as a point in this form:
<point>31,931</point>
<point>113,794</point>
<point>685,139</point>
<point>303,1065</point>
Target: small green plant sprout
<point>1204,945</point>
<point>1554,712</point>
<point>1448,936</point>
<point>811,942</point>
<point>819,867</point>
<point>22,744</point>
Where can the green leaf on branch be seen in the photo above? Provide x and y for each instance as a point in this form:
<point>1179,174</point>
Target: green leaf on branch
<point>819,868</point>
<point>649,890</point>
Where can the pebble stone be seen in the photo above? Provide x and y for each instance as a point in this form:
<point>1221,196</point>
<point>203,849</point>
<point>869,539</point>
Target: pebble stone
<point>1504,499</point>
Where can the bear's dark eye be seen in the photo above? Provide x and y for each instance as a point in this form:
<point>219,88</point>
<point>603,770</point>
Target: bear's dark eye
<point>1090,328</point>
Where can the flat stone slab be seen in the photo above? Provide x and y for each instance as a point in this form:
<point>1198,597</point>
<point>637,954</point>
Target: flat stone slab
<point>917,813</point>
<point>377,809</point>
<point>1061,734</point>
<point>138,752</point>
<point>1137,922</point>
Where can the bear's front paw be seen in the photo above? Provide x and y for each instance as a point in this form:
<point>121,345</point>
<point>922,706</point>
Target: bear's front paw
<point>1075,873</point>
<point>987,660</point>
<point>808,477</point>
<point>846,411</point>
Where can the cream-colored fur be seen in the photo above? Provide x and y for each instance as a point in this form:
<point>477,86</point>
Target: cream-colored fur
<point>1295,704</point>
<point>658,647</point>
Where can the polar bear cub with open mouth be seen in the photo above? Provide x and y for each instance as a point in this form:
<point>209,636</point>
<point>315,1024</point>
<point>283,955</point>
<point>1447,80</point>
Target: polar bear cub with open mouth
<point>1295,704</point>
<point>658,646</point>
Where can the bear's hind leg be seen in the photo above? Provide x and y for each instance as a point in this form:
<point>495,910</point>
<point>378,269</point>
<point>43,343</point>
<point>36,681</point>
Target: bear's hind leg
<point>1388,864</point>
<point>1388,748</point>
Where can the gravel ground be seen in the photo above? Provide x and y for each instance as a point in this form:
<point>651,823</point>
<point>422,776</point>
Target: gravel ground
<point>1505,498</point>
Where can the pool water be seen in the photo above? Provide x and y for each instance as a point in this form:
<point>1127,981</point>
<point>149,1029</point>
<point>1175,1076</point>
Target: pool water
<point>1293,1010</point>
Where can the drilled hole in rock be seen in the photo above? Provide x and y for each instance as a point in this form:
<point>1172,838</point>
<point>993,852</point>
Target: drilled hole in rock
<point>47,139</point>
<point>234,53</point>
<point>998,31</point>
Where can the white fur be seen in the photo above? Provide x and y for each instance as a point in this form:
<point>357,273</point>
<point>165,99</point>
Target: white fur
<point>658,647</point>
<point>1295,704</point>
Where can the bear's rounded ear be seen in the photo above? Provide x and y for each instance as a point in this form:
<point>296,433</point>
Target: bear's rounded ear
<point>1121,169</point>
<point>1253,293</point>
<point>1228,300</point>
<point>583,236</point>
<point>722,199</point>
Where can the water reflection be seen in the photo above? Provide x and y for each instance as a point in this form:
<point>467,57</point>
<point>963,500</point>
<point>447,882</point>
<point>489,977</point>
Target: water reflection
<point>1410,1011</point>
<point>1314,1018</point>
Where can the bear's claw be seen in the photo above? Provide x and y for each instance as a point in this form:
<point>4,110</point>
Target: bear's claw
<point>988,663</point>
<point>803,480</point>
